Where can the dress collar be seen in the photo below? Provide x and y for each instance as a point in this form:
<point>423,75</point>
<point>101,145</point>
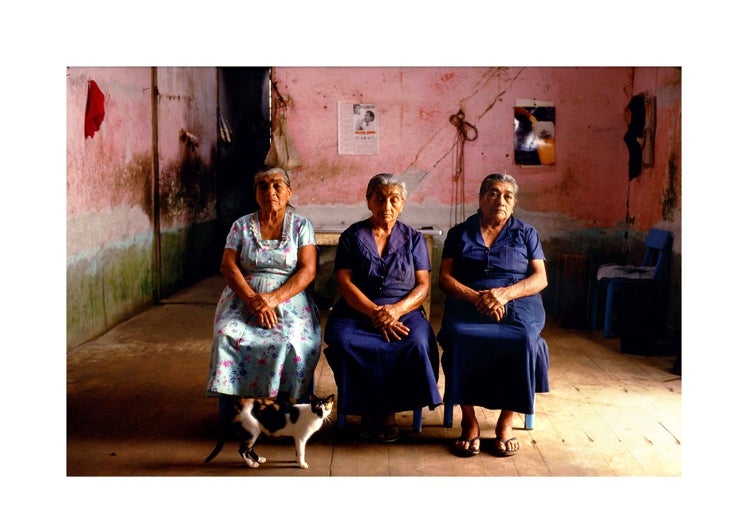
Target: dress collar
<point>475,232</point>
<point>396,240</point>
<point>254,226</point>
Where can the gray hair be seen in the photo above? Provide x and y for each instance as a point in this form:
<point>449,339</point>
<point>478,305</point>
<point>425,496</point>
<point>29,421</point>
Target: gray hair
<point>273,171</point>
<point>498,177</point>
<point>385,181</point>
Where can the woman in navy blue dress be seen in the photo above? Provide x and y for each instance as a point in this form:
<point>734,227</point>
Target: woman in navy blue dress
<point>378,332</point>
<point>492,271</point>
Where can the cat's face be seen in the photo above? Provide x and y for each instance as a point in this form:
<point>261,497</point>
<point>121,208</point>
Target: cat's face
<point>323,406</point>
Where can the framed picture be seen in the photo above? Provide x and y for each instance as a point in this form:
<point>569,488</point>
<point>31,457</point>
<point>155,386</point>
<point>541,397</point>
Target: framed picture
<point>534,133</point>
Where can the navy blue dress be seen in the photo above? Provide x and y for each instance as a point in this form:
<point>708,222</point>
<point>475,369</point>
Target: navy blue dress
<point>496,365</point>
<point>373,376</point>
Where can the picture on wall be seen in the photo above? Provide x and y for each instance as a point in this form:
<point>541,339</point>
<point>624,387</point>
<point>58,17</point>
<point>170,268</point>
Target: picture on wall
<point>358,128</point>
<point>534,133</point>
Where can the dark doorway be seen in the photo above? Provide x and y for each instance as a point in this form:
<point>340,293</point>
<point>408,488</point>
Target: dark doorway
<point>244,105</point>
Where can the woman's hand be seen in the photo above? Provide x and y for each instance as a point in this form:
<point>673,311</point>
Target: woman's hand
<point>492,302</point>
<point>385,319</point>
<point>262,307</point>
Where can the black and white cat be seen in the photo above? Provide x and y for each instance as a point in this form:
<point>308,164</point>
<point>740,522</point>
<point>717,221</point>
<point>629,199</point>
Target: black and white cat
<point>251,417</point>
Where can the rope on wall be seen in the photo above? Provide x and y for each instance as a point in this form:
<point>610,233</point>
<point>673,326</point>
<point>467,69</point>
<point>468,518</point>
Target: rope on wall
<point>465,132</point>
<point>279,104</point>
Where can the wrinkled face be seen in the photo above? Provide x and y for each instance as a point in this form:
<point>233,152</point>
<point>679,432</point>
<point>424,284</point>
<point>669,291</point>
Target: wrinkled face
<point>385,205</point>
<point>498,201</point>
<point>272,193</point>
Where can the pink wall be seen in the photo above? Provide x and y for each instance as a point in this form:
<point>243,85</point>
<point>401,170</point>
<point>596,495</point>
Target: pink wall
<point>655,196</point>
<point>587,188</point>
<point>104,173</point>
<point>111,268</point>
<point>584,204</point>
<point>108,175</point>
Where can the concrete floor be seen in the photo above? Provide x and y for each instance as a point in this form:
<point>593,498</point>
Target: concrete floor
<point>136,408</point>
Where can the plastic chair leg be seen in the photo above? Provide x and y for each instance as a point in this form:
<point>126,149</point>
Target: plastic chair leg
<point>608,320</point>
<point>448,413</point>
<point>529,421</point>
<point>593,306</point>
<point>417,420</point>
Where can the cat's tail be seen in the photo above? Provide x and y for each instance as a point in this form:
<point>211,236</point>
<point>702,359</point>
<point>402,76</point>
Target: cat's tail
<point>222,432</point>
<point>228,409</point>
<point>216,450</point>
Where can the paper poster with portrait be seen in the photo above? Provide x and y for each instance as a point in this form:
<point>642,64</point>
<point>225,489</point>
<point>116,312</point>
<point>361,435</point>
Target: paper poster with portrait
<point>534,133</point>
<point>358,128</point>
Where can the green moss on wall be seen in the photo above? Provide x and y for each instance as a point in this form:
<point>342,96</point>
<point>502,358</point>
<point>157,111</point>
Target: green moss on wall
<point>106,287</point>
<point>116,282</point>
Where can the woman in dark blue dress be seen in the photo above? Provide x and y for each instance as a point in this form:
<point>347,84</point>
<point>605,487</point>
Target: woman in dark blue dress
<point>492,271</point>
<point>381,347</point>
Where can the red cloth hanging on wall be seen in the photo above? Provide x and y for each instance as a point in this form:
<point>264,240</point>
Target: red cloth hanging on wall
<point>94,109</point>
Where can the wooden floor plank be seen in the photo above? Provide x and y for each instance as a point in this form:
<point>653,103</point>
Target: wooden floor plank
<point>136,406</point>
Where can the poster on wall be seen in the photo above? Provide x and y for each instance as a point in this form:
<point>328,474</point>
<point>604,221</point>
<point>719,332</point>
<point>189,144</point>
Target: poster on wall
<point>358,129</point>
<point>534,132</point>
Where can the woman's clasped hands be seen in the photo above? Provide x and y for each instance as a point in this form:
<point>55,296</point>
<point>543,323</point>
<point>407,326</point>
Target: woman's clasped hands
<point>492,302</point>
<point>262,307</point>
<point>385,319</point>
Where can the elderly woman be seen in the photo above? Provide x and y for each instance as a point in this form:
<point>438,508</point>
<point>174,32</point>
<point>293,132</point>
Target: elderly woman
<point>266,333</point>
<point>492,271</point>
<point>378,331</point>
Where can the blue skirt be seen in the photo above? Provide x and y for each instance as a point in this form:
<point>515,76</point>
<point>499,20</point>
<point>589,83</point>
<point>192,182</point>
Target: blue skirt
<point>496,365</point>
<point>375,377</point>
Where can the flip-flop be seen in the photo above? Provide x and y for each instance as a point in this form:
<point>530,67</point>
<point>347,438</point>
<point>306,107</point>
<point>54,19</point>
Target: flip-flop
<point>472,450</point>
<point>506,452</point>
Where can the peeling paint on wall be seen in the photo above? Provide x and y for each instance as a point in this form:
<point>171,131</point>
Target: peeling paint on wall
<point>110,211</point>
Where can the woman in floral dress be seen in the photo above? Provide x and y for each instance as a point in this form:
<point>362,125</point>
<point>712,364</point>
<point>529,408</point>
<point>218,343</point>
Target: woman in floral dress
<point>266,330</point>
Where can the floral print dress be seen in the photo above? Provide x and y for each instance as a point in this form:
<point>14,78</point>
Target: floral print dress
<point>247,359</point>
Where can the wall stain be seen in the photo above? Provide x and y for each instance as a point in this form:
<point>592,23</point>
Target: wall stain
<point>130,184</point>
<point>187,189</point>
<point>670,196</point>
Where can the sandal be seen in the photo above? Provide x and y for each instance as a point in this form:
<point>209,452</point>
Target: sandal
<point>506,452</point>
<point>389,434</point>
<point>472,449</point>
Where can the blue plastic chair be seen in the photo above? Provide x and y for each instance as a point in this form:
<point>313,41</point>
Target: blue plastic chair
<point>342,409</point>
<point>611,278</point>
<point>449,404</point>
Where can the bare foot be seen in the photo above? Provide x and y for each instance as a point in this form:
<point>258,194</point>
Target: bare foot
<point>506,444</point>
<point>469,441</point>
